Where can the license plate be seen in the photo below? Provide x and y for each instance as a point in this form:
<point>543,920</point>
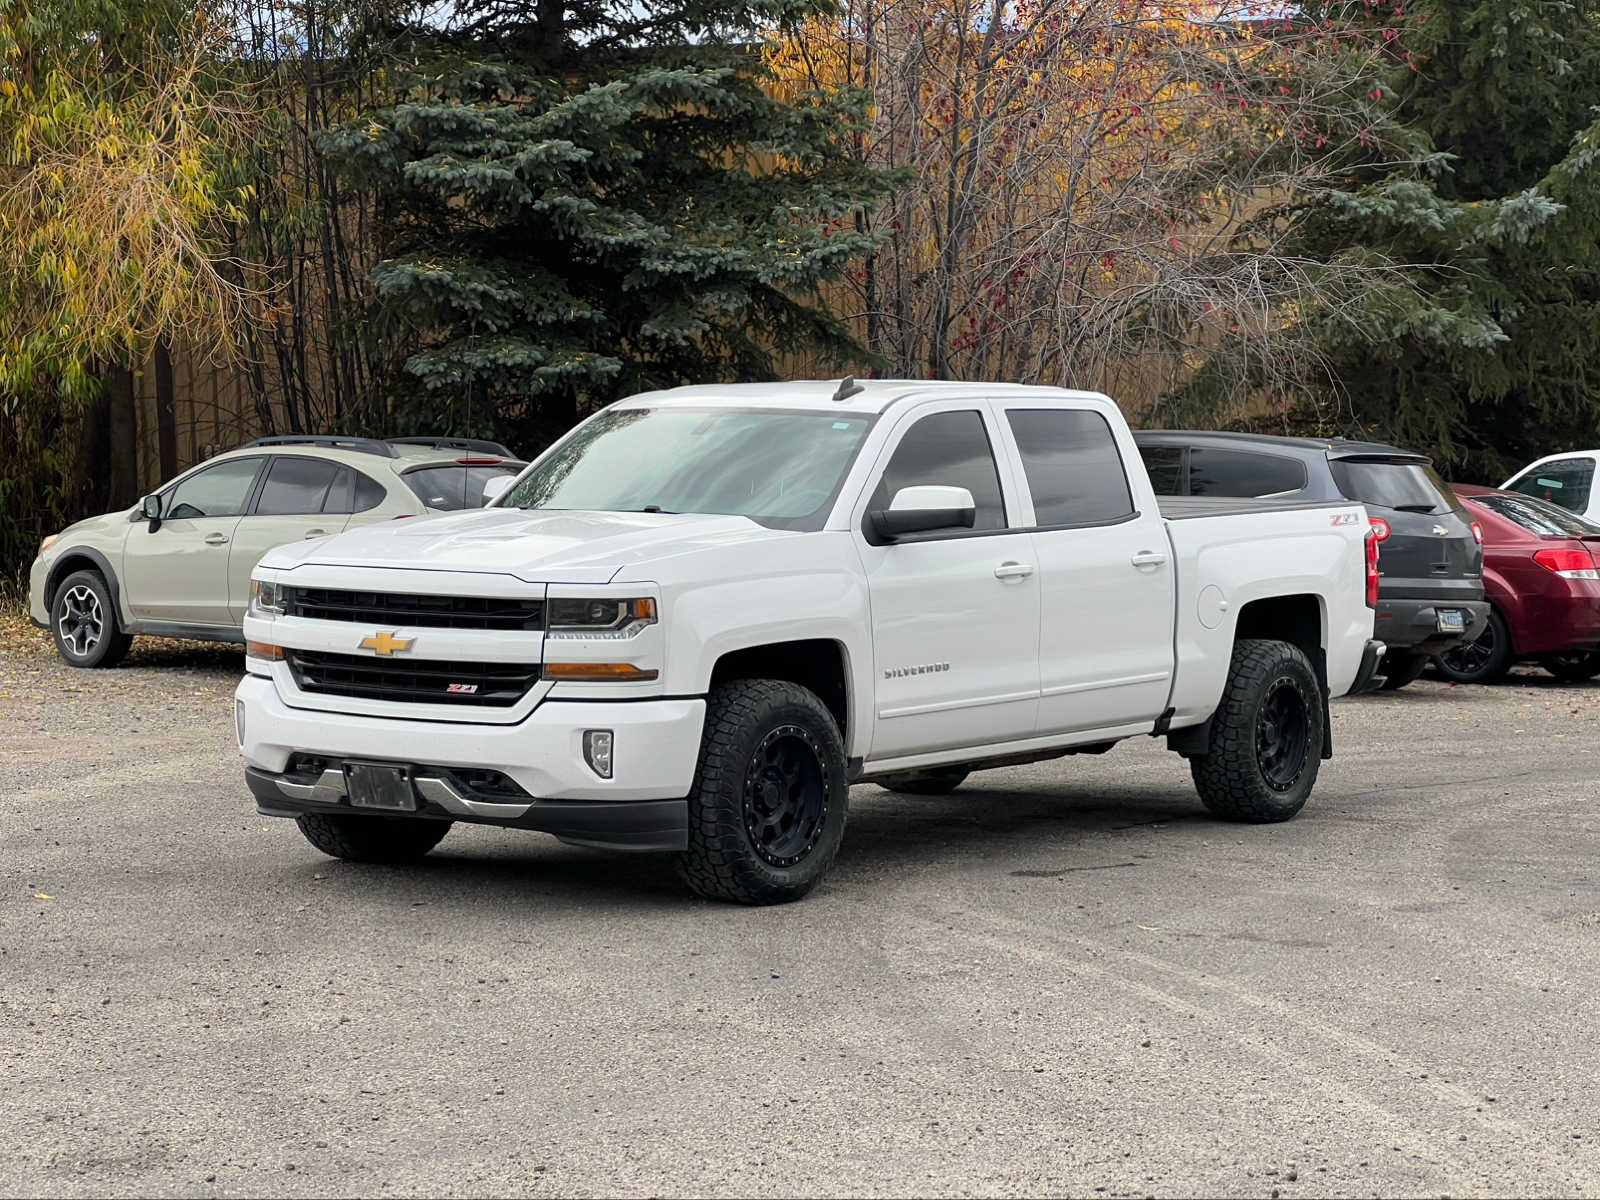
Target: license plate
<point>1452,621</point>
<point>379,785</point>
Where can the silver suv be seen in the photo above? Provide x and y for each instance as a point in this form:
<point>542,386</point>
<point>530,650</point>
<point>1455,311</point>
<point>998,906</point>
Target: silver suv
<point>179,564</point>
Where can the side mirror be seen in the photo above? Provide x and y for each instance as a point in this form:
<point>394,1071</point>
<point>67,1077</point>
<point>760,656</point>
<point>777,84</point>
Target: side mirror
<point>150,509</point>
<point>495,487</point>
<point>924,509</point>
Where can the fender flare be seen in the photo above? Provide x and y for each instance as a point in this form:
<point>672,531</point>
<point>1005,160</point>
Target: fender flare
<point>68,563</point>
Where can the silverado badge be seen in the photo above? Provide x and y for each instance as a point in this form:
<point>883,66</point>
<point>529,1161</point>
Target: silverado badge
<point>386,644</point>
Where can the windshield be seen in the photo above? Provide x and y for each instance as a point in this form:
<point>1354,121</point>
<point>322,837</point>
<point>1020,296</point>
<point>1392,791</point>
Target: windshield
<point>780,468</point>
<point>1408,486</point>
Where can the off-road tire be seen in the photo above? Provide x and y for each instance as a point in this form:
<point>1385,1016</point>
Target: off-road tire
<point>87,592</point>
<point>723,861</point>
<point>1492,668</point>
<point>1572,668</point>
<point>932,784</point>
<point>1230,777</point>
<point>366,839</point>
<point>1402,667</point>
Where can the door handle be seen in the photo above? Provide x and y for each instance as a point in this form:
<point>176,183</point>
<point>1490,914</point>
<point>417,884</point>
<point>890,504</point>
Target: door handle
<point>311,533</point>
<point>1013,570</point>
<point>1149,558</point>
<point>216,539</point>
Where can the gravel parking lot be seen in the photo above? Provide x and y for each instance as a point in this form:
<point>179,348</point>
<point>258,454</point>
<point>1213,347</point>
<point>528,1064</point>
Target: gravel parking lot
<point>1063,979</point>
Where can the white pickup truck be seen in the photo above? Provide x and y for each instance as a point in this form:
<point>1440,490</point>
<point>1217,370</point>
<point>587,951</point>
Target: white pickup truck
<point>696,620</point>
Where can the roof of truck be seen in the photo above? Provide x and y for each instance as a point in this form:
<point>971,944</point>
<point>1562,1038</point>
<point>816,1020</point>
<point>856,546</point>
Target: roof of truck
<point>874,396</point>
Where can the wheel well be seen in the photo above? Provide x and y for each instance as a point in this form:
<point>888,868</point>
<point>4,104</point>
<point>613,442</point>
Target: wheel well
<point>72,562</point>
<point>816,663</point>
<point>1293,619</point>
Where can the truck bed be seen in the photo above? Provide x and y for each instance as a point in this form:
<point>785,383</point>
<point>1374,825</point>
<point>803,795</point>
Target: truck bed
<point>1188,508</point>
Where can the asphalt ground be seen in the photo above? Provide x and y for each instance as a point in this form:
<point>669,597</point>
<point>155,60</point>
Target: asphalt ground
<point>1066,978</point>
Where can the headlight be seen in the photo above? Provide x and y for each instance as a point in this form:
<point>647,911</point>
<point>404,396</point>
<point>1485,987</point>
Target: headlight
<point>266,599</point>
<point>600,618</point>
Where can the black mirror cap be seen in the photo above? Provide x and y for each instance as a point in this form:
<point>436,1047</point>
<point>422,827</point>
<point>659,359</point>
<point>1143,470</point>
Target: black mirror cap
<point>890,525</point>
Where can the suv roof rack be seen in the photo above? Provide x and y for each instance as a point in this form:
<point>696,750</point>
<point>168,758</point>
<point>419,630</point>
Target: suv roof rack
<point>332,441</point>
<point>476,445</point>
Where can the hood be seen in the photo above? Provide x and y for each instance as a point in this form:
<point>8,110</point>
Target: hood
<point>538,546</point>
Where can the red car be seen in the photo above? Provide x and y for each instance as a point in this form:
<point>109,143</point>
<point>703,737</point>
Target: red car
<point>1541,574</point>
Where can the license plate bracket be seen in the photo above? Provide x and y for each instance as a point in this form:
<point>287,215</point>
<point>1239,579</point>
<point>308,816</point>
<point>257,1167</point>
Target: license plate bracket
<point>382,786</point>
<point>1452,620</point>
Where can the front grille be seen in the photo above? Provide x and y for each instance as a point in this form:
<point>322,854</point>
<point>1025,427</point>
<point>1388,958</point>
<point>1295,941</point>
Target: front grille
<point>398,608</point>
<point>423,681</point>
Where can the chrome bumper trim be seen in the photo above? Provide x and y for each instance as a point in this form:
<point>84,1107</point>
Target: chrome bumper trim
<point>442,793</point>
<point>328,789</point>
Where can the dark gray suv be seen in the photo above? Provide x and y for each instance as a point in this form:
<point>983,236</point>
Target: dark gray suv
<point>1430,595</point>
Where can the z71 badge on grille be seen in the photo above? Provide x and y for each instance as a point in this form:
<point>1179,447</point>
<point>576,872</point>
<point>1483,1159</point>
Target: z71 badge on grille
<point>462,689</point>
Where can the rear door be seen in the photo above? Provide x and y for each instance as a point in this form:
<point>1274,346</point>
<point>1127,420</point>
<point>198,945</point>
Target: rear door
<point>1105,638</point>
<point>300,498</point>
<point>178,572</point>
<point>1429,552</point>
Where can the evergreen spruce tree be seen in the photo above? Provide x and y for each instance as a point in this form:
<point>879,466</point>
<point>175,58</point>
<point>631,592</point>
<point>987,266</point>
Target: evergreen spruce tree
<point>1491,194</point>
<point>587,199</point>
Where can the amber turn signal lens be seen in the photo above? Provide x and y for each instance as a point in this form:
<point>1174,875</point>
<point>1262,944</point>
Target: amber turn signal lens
<point>264,650</point>
<point>599,672</point>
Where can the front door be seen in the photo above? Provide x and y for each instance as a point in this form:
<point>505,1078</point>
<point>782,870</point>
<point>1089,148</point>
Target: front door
<point>1107,582</point>
<point>955,614</point>
<point>300,498</point>
<point>178,572</point>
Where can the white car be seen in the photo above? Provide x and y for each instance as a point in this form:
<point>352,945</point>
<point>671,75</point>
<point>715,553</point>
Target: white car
<point>693,622</point>
<point>1564,479</point>
<point>179,564</point>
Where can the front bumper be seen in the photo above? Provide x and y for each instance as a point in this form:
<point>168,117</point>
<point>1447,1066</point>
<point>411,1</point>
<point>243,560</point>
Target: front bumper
<point>442,795</point>
<point>656,745</point>
<point>1413,625</point>
<point>38,611</point>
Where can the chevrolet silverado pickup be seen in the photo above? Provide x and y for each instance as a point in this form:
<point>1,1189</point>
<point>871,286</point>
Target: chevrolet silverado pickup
<point>700,617</point>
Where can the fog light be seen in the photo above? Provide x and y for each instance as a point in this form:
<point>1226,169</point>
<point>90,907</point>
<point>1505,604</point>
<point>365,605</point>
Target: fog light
<point>597,751</point>
<point>238,720</point>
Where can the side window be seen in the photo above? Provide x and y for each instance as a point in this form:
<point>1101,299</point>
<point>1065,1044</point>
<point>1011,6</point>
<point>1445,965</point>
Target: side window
<point>339,497</point>
<point>1073,468</point>
<point>1566,481</point>
<point>952,449</point>
<point>369,493</point>
<point>219,491</point>
<point>295,485</point>
<point>1164,465</point>
<point>1241,473</point>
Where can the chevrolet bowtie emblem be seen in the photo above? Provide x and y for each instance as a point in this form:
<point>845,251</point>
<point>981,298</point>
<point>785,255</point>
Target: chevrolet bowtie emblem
<point>1441,531</point>
<point>386,644</point>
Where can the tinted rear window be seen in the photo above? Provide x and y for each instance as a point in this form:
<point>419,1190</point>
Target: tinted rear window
<point>1412,486</point>
<point>1072,465</point>
<point>1243,473</point>
<point>1164,465</point>
<point>1546,520</point>
<point>451,487</point>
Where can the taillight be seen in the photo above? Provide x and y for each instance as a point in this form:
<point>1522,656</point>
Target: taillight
<point>1477,533</point>
<point>1569,564</point>
<point>405,516</point>
<point>1380,529</point>
<point>1372,541</point>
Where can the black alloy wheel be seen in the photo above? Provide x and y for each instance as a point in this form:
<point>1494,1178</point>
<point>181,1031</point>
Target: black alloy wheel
<point>1572,666</point>
<point>1282,735</point>
<point>785,796</point>
<point>1486,659</point>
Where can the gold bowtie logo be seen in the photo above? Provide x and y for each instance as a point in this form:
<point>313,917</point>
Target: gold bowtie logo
<point>386,644</point>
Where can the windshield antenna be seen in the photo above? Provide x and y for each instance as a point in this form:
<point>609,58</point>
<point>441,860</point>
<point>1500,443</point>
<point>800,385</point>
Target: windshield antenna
<point>848,387</point>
